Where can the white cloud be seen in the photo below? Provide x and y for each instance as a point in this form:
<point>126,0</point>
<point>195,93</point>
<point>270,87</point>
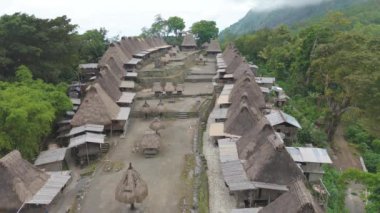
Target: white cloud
<point>127,17</point>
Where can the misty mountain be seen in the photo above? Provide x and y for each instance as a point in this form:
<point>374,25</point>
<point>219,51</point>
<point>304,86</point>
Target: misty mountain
<point>255,20</point>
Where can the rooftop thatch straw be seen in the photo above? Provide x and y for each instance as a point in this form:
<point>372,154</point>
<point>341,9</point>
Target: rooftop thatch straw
<point>214,47</point>
<point>156,125</point>
<point>297,200</point>
<point>150,140</point>
<point>19,180</point>
<point>189,41</point>
<point>96,108</point>
<point>132,188</point>
<point>241,119</point>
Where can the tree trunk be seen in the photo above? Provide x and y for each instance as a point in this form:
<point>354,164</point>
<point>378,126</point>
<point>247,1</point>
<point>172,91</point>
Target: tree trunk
<point>133,206</point>
<point>332,126</point>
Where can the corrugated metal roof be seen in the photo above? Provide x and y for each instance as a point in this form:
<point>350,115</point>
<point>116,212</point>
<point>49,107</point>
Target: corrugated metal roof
<point>276,117</point>
<point>131,74</point>
<point>88,66</point>
<point>127,97</point>
<point>86,138</point>
<point>127,84</point>
<point>264,90</point>
<point>219,113</point>
<point>123,114</point>
<point>271,186</point>
<point>246,210</point>
<point>86,128</point>
<point>223,99</point>
<point>50,156</point>
<point>227,150</point>
<point>265,80</point>
<point>309,155</point>
<point>134,61</point>
<point>235,177</point>
<point>75,101</point>
<point>51,188</point>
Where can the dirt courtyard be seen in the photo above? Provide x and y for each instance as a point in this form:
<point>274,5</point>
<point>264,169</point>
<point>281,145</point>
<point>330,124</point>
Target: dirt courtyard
<point>163,174</point>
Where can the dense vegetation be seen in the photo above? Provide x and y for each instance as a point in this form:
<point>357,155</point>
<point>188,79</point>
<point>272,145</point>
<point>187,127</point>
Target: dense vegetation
<point>48,49</point>
<point>51,48</point>
<point>256,20</point>
<point>27,110</point>
<point>171,30</point>
<point>329,68</point>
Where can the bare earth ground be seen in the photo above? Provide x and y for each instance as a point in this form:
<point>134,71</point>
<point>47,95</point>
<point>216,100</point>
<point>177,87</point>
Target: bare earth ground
<point>179,105</point>
<point>189,89</point>
<point>348,157</point>
<point>162,173</point>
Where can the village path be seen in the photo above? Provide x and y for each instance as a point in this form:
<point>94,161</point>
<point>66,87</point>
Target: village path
<point>346,157</point>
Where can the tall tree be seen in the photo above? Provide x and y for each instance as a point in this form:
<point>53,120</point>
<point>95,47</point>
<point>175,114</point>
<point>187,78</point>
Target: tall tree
<point>48,46</point>
<point>27,110</point>
<point>93,44</point>
<point>175,24</point>
<point>205,30</point>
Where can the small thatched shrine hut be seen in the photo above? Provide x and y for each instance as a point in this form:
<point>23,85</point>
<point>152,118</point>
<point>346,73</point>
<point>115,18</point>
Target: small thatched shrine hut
<point>132,188</point>
<point>169,88</point>
<point>213,48</point>
<point>150,144</point>
<point>156,125</point>
<point>188,43</point>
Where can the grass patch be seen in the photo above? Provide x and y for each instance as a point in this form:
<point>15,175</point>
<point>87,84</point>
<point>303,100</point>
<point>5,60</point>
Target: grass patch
<point>89,170</point>
<point>203,194</point>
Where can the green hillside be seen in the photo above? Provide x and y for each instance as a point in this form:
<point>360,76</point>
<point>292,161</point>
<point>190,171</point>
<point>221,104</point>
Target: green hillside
<point>254,20</point>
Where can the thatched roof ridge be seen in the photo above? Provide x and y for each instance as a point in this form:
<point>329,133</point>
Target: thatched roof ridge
<point>214,47</point>
<point>115,68</point>
<point>247,88</point>
<point>242,119</point>
<point>242,70</point>
<point>269,162</point>
<point>229,53</point>
<point>234,64</point>
<point>247,143</point>
<point>138,44</point>
<point>96,108</point>
<point>150,42</point>
<point>114,50</point>
<point>297,200</point>
<point>189,41</point>
<point>127,47</point>
<point>19,180</point>
<point>110,84</point>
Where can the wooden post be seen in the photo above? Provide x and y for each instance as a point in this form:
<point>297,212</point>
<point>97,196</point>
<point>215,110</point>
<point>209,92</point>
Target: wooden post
<point>88,159</point>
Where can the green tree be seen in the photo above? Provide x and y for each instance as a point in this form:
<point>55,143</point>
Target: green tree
<point>28,108</point>
<point>175,24</point>
<point>204,31</point>
<point>93,44</point>
<point>49,47</point>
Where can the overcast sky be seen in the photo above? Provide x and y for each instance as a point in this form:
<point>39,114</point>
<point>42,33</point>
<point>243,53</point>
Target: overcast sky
<point>127,17</point>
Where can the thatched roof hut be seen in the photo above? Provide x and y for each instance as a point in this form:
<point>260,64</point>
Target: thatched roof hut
<point>241,119</point>
<point>297,200</point>
<point>96,108</point>
<point>247,88</point>
<point>269,162</point>
<point>189,41</point>
<point>236,61</point>
<point>248,142</point>
<point>156,125</point>
<point>214,47</point>
<point>110,84</point>
<point>229,53</point>
<point>132,188</point>
<point>114,50</point>
<point>150,140</point>
<point>157,87</point>
<point>169,87</point>
<point>19,180</point>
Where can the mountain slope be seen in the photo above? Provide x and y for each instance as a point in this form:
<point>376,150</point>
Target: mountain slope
<point>254,20</point>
